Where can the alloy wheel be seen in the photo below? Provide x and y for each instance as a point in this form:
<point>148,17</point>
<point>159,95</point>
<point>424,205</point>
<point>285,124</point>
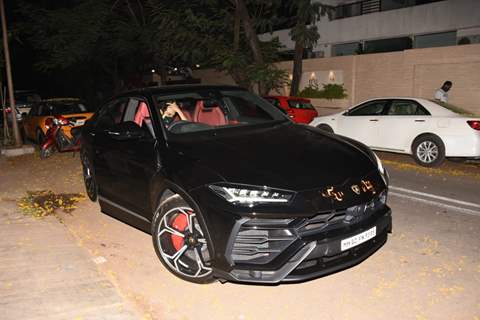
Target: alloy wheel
<point>427,151</point>
<point>182,243</point>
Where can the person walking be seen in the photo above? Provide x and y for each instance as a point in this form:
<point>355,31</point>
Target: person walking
<point>442,93</point>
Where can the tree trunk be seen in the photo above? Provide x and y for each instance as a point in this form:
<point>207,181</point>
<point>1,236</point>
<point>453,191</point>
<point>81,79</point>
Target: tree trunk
<point>236,30</point>
<point>297,69</point>
<point>117,87</point>
<point>250,32</point>
<point>15,126</point>
<point>163,74</point>
<point>240,79</point>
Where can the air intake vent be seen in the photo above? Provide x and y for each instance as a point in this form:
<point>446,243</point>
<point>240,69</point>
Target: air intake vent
<point>259,246</point>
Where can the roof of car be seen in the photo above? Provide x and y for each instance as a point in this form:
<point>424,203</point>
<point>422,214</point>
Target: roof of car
<point>288,97</point>
<point>60,99</point>
<point>179,87</point>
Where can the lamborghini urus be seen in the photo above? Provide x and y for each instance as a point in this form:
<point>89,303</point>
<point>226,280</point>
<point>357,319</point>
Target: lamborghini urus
<point>230,188</point>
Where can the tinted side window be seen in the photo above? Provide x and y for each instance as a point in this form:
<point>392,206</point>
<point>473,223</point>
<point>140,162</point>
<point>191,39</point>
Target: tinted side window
<point>45,110</point>
<point>274,101</point>
<point>138,112</point>
<point>371,108</point>
<point>111,114</point>
<point>33,110</point>
<point>299,104</point>
<point>406,108</point>
<point>247,108</point>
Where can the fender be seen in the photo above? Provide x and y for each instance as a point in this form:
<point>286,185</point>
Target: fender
<point>49,140</point>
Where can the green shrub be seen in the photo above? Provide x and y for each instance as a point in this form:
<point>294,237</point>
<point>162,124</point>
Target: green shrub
<point>329,91</point>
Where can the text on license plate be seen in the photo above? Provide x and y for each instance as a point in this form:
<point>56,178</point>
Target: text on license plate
<point>358,239</point>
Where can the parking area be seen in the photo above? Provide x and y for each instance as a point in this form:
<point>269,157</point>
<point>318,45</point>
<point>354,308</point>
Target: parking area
<point>428,269</point>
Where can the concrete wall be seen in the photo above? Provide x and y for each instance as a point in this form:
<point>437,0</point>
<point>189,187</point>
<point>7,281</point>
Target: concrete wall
<point>416,72</point>
<point>449,15</point>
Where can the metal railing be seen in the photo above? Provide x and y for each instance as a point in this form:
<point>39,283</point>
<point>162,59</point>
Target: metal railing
<point>370,6</point>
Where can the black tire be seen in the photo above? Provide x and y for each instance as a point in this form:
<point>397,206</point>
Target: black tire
<point>89,177</point>
<point>40,136</point>
<point>47,152</point>
<point>181,256</point>
<point>428,150</point>
<point>325,127</point>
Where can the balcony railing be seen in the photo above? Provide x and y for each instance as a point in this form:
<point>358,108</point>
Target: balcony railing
<point>371,6</point>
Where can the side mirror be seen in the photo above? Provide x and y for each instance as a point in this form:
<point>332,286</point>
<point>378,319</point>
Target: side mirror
<point>127,131</point>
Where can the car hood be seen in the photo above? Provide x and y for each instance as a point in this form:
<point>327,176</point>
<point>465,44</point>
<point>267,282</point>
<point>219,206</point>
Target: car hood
<point>286,156</point>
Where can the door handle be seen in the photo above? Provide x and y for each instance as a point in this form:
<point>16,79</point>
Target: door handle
<point>112,133</point>
<point>419,120</point>
<point>374,120</point>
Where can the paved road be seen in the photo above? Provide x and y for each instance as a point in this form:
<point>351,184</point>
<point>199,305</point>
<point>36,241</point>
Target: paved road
<point>454,185</point>
<point>428,269</point>
<point>45,273</point>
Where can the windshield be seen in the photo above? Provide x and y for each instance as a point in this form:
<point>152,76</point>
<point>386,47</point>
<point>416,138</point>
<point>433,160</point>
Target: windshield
<point>63,108</point>
<point>26,98</point>
<point>203,110</point>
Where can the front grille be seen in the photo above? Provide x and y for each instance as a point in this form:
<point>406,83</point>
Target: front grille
<point>259,246</point>
<point>340,218</point>
<point>259,241</point>
<point>323,220</point>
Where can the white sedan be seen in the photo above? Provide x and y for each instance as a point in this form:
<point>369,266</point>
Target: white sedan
<point>414,126</point>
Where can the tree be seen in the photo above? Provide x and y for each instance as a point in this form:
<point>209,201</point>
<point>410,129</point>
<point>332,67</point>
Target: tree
<point>250,62</point>
<point>121,39</point>
<point>304,34</point>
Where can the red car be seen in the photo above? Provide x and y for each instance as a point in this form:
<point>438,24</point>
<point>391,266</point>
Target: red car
<point>299,109</point>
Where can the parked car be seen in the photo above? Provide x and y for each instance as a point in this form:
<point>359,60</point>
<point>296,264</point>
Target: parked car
<point>8,110</point>
<point>35,123</point>
<point>25,99</point>
<point>299,109</point>
<point>216,190</point>
<point>420,127</point>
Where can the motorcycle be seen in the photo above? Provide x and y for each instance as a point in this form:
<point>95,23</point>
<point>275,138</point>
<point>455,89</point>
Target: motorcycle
<point>56,139</point>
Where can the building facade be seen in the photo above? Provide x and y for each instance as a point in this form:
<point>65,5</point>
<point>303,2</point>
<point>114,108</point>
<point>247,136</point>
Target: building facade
<point>374,26</point>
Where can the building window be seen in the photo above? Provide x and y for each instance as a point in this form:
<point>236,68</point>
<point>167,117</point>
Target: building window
<point>441,39</point>
<point>346,49</point>
<point>388,45</point>
<point>348,10</point>
<point>396,4</point>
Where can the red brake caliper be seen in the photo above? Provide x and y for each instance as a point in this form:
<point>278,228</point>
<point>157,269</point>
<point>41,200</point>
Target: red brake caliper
<point>180,223</point>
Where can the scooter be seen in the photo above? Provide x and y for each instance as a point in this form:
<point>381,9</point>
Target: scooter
<point>56,139</point>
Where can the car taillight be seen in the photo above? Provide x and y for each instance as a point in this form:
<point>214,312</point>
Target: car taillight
<point>474,124</point>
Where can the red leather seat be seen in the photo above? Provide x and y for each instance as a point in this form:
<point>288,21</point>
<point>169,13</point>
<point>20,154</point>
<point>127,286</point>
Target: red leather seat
<point>188,115</point>
<point>211,115</point>
<point>142,113</point>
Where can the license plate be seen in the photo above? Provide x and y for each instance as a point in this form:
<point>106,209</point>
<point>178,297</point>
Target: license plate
<point>358,239</point>
<point>80,122</point>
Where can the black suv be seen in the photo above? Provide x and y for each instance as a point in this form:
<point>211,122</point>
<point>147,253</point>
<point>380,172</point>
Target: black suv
<point>230,188</point>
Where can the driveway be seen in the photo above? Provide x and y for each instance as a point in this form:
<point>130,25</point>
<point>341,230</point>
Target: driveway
<point>428,269</point>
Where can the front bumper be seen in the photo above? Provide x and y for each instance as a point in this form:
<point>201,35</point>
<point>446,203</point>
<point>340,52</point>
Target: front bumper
<point>317,254</point>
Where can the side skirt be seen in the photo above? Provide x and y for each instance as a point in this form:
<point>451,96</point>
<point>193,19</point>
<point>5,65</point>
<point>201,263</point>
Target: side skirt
<point>125,215</point>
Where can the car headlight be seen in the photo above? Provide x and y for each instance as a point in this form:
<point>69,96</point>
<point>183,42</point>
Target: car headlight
<point>251,195</point>
<point>381,169</point>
